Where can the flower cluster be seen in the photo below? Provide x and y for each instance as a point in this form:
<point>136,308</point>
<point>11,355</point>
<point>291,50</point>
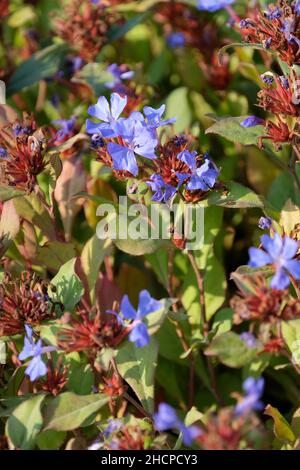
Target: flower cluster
<point>276,29</point>
<point>257,301</point>
<point>22,154</point>
<point>85,26</point>
<point>120,140</point>
<point>23,301</point>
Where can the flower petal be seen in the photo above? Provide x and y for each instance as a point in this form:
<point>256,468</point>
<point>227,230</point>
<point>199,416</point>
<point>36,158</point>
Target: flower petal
<point>100,110</point>
<point>127,309</point>
<point>259,258</point>
<point>117,103</point>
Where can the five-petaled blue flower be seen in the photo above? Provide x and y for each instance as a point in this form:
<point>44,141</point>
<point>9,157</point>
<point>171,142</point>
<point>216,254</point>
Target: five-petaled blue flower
<point>139,333</point>
<point>117,75</point>
<point>136,139</point>
<point>166,418</point>
<point>109,115</point>
<point>252,121</point>
<point>66,127</point>
<point>163,192</point>
<point>213,5</point>
<point>253,392</point>
<point>36,367</point>
<point>176,40</point>
<point>279,252</point>
<point>202,177</point>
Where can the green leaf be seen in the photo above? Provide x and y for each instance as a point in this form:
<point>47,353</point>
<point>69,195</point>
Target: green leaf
<point>50,440</point>
<point>137,366</point>
<point>21,16</point>
<point>291,335</point>
<point>235,196</point>
<point>69,411</point>
<point>31,209</point>
<point>231,350</point>
<point>155,320</point>
<point>43,64</point>
<point>117,32</point>
<point>282,429</point>
<point>9,192</point>
<point>80,378</point>
<point>230,128</point>
<point>69,288</point>
<point>25,422</point>
<point>54,254</point>
<point>178,106</point>
<point>92,257</point>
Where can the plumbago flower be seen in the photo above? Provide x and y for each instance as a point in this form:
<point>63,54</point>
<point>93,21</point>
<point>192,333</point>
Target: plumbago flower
<point>198,174</point>
<point>36,367</point>
<point>166,418</point>
<point>139,333</point>
<point>251,401</point>
<point>119,73</point>
<point>280,253</point>
<point>22,156</point>
<point>256,301</point>
<point>277,29</point>
<point>66,128</point>
<point>124,138</point>
<point>213,5</point>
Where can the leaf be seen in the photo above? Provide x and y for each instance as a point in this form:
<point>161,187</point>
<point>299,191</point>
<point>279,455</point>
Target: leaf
<point>69,411</point>
<point>69,288</point>
<point>68,144</point>
<point>282,429</point>
<point>155,320</point>
<point>92,257</point>
<point>137,366</point>
<point>9,225</point>
<point>43,64</point>
<point>25,422</point>
<point>240,44</point>
<point>80,378</point>
<point>235,196</point>
<point>71,181</point>
<point>231,350</point>
<point>50,440</point>
<point>31,209</point>
<point>8,192</point>
<point>21,16</point>
<point>291,335</point>
<point>282,189</point>
<point>290,216</point>
<point>230,128</point>
<point>54,254</point>
<point>178,106</point>
<point>193,416</point>
<point>117,32</point>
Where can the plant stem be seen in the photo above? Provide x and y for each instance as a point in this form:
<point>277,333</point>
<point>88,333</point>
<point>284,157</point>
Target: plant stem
<point>205,323</point>
<point>200,282</point>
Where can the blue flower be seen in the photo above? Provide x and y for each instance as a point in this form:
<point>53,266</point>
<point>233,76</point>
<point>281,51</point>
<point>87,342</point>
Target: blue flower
<point>203,177</point>
<point>253,391</point>
<point>176,40</point>
<point>153,117</point>
<point>3,153</point>
<point>249,339</point>
<point>109,115</point>
<point>279,252</point>
<point>36,367</point>
<point>136,139</point>
<point>139,333</point>
<point>66,127</point>
<point>163,192</point>
<point>252,121</point>
<point>297,7</point>
<point>265,223</point>
<point>213,5</point>
<point>166,418</point>
<point>117,75</point>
